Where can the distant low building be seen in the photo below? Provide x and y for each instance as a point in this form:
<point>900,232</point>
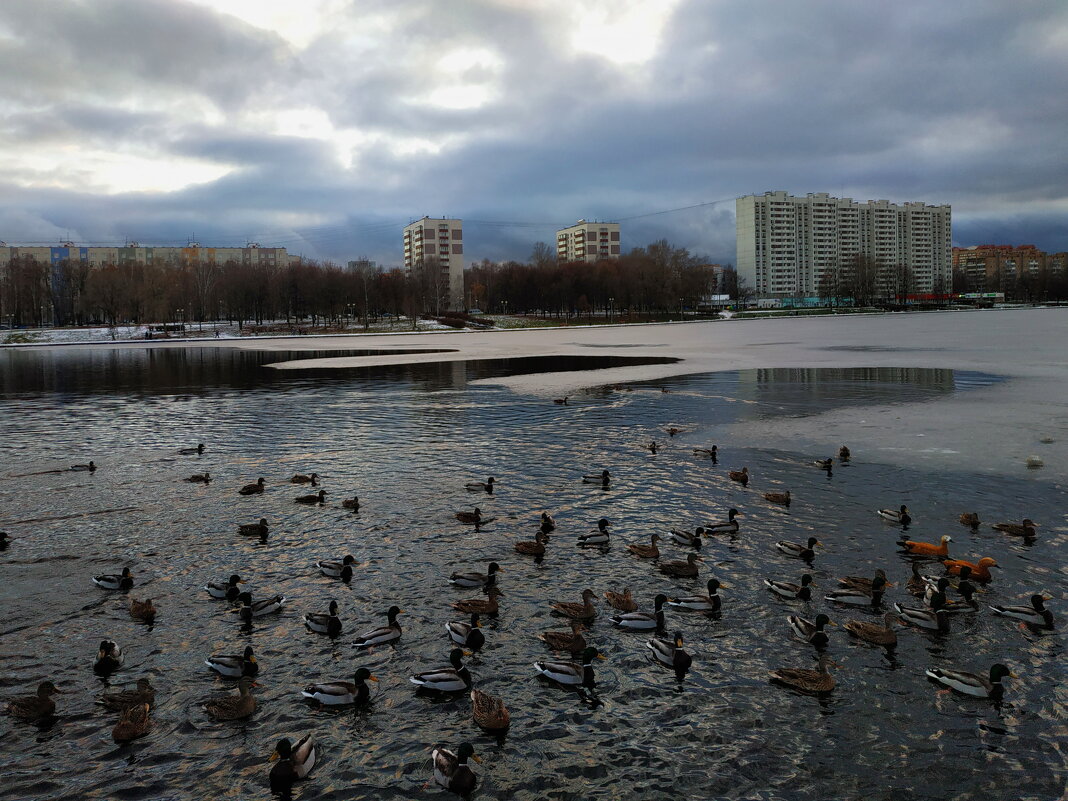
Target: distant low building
<point>358,265</point>
<point>588,241</point>
<point>136,253</point>
<point>1000,267</point>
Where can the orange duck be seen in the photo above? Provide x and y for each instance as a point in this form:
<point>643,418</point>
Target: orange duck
<point>926,548</point>
<point>980,569</point>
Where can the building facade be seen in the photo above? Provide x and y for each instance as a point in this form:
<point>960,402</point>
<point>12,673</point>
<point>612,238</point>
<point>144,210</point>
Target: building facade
<point>588,241</point>
<point>134,252</point>
<point>441,241</point>
<point>1001,267</point>
<point>786,244</point>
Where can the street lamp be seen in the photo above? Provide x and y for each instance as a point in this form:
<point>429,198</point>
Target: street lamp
<point>611,307</point>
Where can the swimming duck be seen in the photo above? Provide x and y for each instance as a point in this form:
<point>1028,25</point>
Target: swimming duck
<point>352,503</point>
<point>234,667</point>
<point>144,694</point>
<point>253,489</point>
<point>857,597</point>
<point>687,569</point>
<point>200,478</point>
<point>792,592</point>
<point>342,693</point>
<point>484,606</point>
<point>672,431</point>
<point>34,707</point>
<point>4,540</point>
<point>199,449</point>
<point>824,464</point>
<point>649,551</point>
<point>598,537</point>
<point>487,579</point>
<point>873,632</point>
<point>781,498</point>
<point>862,582</point>
<point>653,447</point>
<point>577,611</point>
<point>708,453</point>
<point>940,586</point>
<point>601,479</point>
<point>701,603</point>
<point>227,589</point>
<point>481,486</point>
<point>234,707</point>
<point>109,658</point>
<point>811,631</point>
<point>254,529</point>
<point>299,478</point>
<point>535,547</point>
<point>980,570</point>
<point>932,619</point>
<point>318,497</point>
<point>729,525</point>
<point>927,549</point>
<point>144,610</point>
<point>295,762</point>
<point>489,711</point>
<point>467,634</point>
<point>843,454</point>
<point>561,401</point>
<point>899,517</point>
<point>134,722</point>
<point>814,682</point>
<point>383,634</point>
<point>917,584</point>
<point>805,552</point>
<point>332,568</point>
<point>324,622</point>
<point>572,641</point>
<point>643,621</point>
<point>474,517</point>
<point>547,523</point>
<point>1034,615</point>
<point>687,538</point>
<point>971,683</point>
<point>969,604</point>
<point>970,519</point>
<point>670,653</point>
<point>81,468</point>
<point>741,476</point>
<point>451,679</point>
<point>623,601</point>
<point>451,770</point>
<point>110,581</point>
<point>571,673</point>
<point>1026,528</point>
<point>267,606</point>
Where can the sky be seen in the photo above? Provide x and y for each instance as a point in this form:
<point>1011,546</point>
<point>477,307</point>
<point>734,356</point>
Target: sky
<point>325,126</point>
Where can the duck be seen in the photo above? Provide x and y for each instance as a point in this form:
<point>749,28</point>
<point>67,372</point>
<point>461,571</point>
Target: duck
<point>200,478</point>
<point>968,604</point>
<point>144,610</point>
<point>571,673</point>
<point>4,540</point>
<point>487,579</point>
<point>468,635</point>
<point>872,632</point>
<point>451,770</point>
<point>450,679</point>
<point>352,503</point>
<point>134,722</point>
<point>824,464</point>
<point>979,570</point>
<point>643,621</point>
<point>577,611</point>
<point>872,597</point>
<point>383,634</point>
<point>317,497</point>
<point>295,762</point>
<point>484,606</point>
<point>670,653</point>
<point>234,667</point>
<point>199,449</point>
<point>691,539</point>
<point>701,603</point>
<point>814,682</point>
<point>623,601</point>
<point>972,683</point>
<point>653,447</point>
<point>144,694</point>
<point>110,581</point>
<point>489,711</point>
<point>299,478</point>
<point>1034,615</point>
<point>843,454</point>
<point>227,589</point>
<point>234,707</point>
<point>926,548</point>
<point>332,568</point>
<point>707,453</point>
<point>790,591</point>
<point>548,524</point>
<point>862,582</point>
<point>81,468</point>
<point>727,526</point>
<point>1025,528</point>
<point>598,537</point>
<point>687,569</point>
<point>561,401</point>
<point>572,641</point>
<point>535,547</point>
<point>741,476</point>
<point>969,519</point>
<point>481,486</point>
<point>253,489</point>
<point>932,619</point>
<point>474,517</point>
<point>649,551</point>
<point>672,431</point>
<point>267,606</point>
<point>811,631</point>
<point>342,693</point>
<point>917,584</point>
<point>781,498</point>
<point>601,479</point>
<point>324,622</point>
<point>805,551</point>
<point>254,529</point>
<point>109,658</point>
<point>940,586</point>
<point>899,517</point>
<point>34,707</point>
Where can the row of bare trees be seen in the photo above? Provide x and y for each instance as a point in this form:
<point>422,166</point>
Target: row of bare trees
<point>866,282</point>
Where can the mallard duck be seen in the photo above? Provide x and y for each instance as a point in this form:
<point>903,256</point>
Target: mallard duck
<point>862,582</point>
<point>352,503</point>
<point>969,519</point>
<point>253,489</point>
<point>451,679</point>
<point>134,722</point>
<point>670,653</point>
<point>707,453</point>
<point>730,525</point>
<point>969,604</point>
<point>805,552</point>
<point>940,586</point>
<point>932,619</point>
<point>649,551</point>
<point>81,468</point>
<point>199,449</point>
<point>811,631</point>
<point>824,464</point>
<point>980,570</point>
<point>917,584</point>
<point>144,694</point>
<point>653,447</point>
<point>807,681</point>
<point>4,539</point>
<point>342,693</point>
<point>144,610</point>
<point>333,568</point>
<point>927,548</point>
<point>1025,528</point>
<point>577,611</point>
<point>687,569</point>
<point>843,454</point>
<point>295,762</point>
<point>741,476</point>
<point>110,581</point>
<point>489,711</point>
<point>691,539</point>
<point>383,634</point>
<point>672,431</point>
<point>571,673</point>
<point>572,641</point>
<point>487,579</point>
<point>317,497</point>
<point>324,622</point>
<point>793,592</point>
<point>299,478</point>
<point>481,486</point>
<point>535,547</point>
<point>254,529</point>
<point>643,621</point>
<point>971,683</point>
<point>623,601</point>
<point>234,707</point>
<point>468,635</point>
<point>561,401</point>
<point>267,606</point>
<point>34,707</point>
<point>451,770</point>
<point>109,658</point>
<point>484,606</point>
<point>1034,615</point>
<point>200,478</point>
<point>873,632</point>
<point>547,522</point>
<point>598,537</point>
<point>899,517</point>
<point>701,603</point>
<point>601,479</point>
<point>474,517</point>
<point>234,667</point>
<point>781,498</point>
<point>858,597</point>
<point>227,589</point>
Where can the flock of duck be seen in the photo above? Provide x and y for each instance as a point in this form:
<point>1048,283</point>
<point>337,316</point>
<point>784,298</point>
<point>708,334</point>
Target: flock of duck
<point>930,611</point>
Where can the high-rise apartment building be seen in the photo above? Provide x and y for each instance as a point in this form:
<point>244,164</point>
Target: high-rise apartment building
<point>136,253</point>
<point>439,241</point>
<point>588,241</point>
<point>785,244</point>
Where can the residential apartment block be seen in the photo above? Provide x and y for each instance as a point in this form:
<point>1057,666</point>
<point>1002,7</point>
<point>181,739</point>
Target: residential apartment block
<point>134,252</point>
<point>439,239</point>
<point>785,244</point>
<point>588,241</point>
<point>999,267</point>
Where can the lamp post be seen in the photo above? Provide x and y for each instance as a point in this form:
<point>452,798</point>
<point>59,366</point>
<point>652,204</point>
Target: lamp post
<point>611,307</point>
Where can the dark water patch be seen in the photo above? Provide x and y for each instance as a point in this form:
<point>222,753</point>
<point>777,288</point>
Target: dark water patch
<point>880,349</point>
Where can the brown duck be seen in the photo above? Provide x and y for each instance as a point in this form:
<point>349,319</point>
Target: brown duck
<point>577,611</point>
<point>483,606</point>
<point>572,641</point>
<point>687,569</point>
<point>34,707</point>
<point>234,707</point>
<point>134,722</point>
<point>649,551</point>
<point>623,601</point>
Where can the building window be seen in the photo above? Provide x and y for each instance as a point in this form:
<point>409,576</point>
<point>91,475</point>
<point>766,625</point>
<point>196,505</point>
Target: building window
<point>457,233</point>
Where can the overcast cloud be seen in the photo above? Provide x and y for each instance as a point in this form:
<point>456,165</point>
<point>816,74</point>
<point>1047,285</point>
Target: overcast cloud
<point>324,125</point>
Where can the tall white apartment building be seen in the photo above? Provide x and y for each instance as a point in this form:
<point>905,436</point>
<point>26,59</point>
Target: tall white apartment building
<point>440,239</point>
<point>785,244</point>
<point>588,241</point>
